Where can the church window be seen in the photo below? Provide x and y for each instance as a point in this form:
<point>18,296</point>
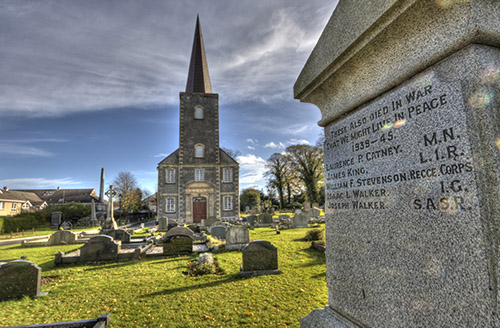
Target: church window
<point>170,176</point>
<point>199,151</point>
<point>227,175</point>
<point>199,113</point>
<point>227,203</point>
<point>199,175</point>
<point>170,205</point>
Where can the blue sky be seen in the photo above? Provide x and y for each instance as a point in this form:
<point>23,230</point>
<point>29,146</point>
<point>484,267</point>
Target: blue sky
<point>91,84</point>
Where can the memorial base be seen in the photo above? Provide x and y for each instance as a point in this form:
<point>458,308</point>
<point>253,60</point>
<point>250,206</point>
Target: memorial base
<point>326,318</point>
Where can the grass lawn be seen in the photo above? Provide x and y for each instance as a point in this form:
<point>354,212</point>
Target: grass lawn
<point>40,232</point>
<point>155,292</point>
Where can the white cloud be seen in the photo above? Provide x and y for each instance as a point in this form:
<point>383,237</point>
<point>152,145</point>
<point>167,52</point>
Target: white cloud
<point>252,169</point>
<point>273,145</point>
<point>161,155</point>
<point>298,142</point>
<point>37,183</point>
<point>251,148</point>
<point>252,141</point>
<point>21,150</point>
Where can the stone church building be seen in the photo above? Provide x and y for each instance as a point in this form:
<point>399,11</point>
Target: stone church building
<point>198,180</point>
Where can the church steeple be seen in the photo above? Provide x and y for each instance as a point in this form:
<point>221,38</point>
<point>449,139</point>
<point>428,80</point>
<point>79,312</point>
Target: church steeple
<point>198,77</point>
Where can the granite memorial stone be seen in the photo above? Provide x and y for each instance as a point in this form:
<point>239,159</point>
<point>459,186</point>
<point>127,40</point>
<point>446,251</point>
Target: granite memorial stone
<point>120,235</point>
<point>218,232</point>
<point>300,220</point>
<point>237,237</point>
<point>62,237</point>
<point>163,224</point>
<point>412,162</point>
<point>19,278</point>
<point>260,257</point>
<point>177,245</point>
<point>100,248</point>
<point>55,219</point>
<point>265,218</point>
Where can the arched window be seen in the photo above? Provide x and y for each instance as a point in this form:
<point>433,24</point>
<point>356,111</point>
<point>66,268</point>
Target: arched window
<point>199,113</point>
<point>199,151</point>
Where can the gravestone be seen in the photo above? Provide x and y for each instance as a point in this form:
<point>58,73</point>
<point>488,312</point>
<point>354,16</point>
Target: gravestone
<point>252,219</point>
<point>314,212</point>
<point>120,235</point>
<point>260,257</point>
<point>411,158</point>
<point>55,219</point>
<point>66,225</point>
<point>300,220</point>
<point>194,228</point>
<point>179,231</point>
<point>237,237</point>
<point>210,220</point>
<point>283,218</point>
<point>100,248</point>
<point>171,224</point>
<point>306,206</point>
<point>218,232</point>
<point>62,237</point>
<point>265,218</point>
<point>19,278</point>
<point>177,245</point>
<point>163,224</point>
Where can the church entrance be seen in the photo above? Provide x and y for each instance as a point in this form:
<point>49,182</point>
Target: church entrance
<point>199,209</point>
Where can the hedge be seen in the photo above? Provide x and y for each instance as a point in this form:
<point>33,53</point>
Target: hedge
<point>21,222</point>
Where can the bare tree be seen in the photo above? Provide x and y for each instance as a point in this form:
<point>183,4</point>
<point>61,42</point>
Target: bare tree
<point>278,172</point>
<point>129,194</point>
<point>231,152</point>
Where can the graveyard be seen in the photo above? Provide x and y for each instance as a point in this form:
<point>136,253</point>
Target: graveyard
<point>154,292</point>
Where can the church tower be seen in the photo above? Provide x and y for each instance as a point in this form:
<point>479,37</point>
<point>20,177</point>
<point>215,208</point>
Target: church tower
<point>199,180</point>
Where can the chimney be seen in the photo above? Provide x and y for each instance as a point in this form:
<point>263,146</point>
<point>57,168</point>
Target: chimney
<point>101,191</point>
<point>6,188</point>
<point>58,188</point>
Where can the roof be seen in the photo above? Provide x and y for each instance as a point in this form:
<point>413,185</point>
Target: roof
<point>10,196</point>
<point>58,196</point>
<point>198,77</point>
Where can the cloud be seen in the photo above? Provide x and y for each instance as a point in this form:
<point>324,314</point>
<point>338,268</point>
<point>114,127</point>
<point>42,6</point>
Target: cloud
<point>298,142</point>
<point>252,141</point>
<point>251,148</point>
<point>20,150</point>
<point>252,169</point>
<point>162,155</point>
<point>273,145</point>
<point>37,183</point>
<point>138,57</point>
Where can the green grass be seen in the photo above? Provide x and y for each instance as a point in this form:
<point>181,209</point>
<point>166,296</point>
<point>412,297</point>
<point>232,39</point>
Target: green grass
<point>40,232</point>
<point>155,292</point>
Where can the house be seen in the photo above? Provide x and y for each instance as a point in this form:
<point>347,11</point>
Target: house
<point>12,202</point>
<point>62,196</point>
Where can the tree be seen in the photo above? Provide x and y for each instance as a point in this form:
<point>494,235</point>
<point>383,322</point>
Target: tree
<point>278,172</point>
<point>249,197</point>
<point>307,163</point>
<point>129,194</point>
<point>232,152</point>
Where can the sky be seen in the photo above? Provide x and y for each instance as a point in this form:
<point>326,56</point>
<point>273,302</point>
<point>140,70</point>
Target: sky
<point>94,84</point>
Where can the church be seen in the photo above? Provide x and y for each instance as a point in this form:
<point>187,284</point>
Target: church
<point>198,180</point>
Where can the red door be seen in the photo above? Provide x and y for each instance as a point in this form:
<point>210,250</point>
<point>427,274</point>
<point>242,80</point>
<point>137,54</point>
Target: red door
<point>199,209</point>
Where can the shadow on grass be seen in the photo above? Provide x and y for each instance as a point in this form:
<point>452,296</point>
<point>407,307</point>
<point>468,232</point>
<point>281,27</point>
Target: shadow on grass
<point>229,278</point>
<point>319,275</point>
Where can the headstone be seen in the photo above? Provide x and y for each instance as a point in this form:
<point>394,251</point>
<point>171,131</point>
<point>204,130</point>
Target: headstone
<point>163,224</point>
<point>93,217</point>
<point>62,237</point>
<point>300,220</point>
<point>55,219</point>
<point>252,219</point>
<point>178,245</point>
<point>265,218</point>
<point>19,278</point>
<point>283,218</point>
<point>179,231</point>
<point>66,225</point>
<point>100,248</point>
<point>260,257</point>
<point>110,223</point>
<point>210,220</point>
<point>194,228</point>
<point>218,232</point>
<point>411,162</point>
<point>171,224</point>
<point>306,206</point>
<point>237,237</point>
<point>120,235</point>
<point>314,212</point>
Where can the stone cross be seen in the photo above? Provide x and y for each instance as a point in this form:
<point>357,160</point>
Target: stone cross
<point>110,223</point>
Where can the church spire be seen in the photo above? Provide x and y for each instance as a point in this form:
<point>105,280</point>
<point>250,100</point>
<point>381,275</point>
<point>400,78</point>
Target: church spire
<point>198,77</point>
